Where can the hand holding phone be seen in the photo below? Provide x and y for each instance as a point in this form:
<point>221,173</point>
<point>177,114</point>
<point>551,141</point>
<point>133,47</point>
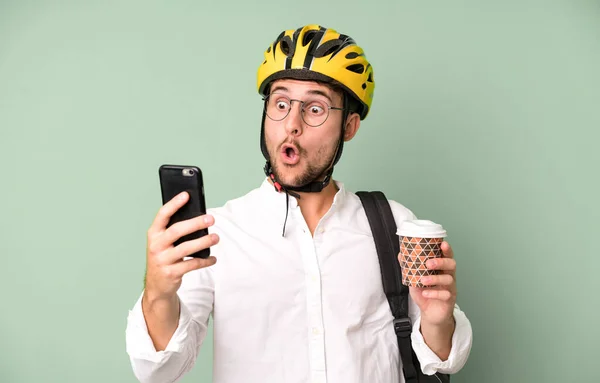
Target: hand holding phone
<point>179,230</point>
<point>175,179</point>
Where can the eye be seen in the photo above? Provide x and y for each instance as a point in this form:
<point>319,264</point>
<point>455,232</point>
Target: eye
<point>315,109</point>
<point>282,105</point>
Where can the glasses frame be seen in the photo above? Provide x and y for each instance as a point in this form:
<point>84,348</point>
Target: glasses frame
<point>329,108</point>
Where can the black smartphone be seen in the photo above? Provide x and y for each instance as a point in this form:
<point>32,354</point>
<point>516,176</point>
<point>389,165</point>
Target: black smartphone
<point>175,179</point>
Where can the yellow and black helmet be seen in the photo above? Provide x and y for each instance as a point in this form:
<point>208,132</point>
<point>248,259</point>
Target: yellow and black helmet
<point>317,53</point>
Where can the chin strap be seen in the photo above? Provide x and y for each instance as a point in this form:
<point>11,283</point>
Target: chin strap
<point>311,187</point>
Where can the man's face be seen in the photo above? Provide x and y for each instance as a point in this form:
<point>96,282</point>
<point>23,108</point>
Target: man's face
<point>299,152</point>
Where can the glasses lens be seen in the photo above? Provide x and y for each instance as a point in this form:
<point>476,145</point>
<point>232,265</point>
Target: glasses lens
<point>315,112</point>
<point>278,106</point>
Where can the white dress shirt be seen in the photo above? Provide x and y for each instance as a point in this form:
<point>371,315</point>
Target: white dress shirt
<point>291,309</point>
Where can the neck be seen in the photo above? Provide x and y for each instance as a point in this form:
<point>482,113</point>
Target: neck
<point>318,201</point>
<point>315,205</point>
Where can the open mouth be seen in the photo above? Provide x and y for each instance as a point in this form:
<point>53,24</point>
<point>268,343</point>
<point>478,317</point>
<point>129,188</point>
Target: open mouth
<point>290,154</point>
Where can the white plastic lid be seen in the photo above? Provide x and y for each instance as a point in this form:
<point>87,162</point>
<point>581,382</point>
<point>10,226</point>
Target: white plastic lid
<point>421,228</point>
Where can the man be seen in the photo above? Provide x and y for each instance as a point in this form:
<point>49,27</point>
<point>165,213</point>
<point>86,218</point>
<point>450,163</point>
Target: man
<point>296,294</point>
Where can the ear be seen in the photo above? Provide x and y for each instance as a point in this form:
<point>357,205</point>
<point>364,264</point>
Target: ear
<point>352,125</point>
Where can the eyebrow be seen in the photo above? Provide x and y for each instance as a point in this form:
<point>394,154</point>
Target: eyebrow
<point>321,93</point>
<point>313,91</point>
<point>279,87</point>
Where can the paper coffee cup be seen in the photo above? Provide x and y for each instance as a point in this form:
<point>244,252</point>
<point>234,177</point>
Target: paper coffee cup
<point>420,240</point>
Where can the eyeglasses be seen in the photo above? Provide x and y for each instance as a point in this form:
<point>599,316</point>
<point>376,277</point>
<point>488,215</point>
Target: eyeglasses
<point>314,112</point>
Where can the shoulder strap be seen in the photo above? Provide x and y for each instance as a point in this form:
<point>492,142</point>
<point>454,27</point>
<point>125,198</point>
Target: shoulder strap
<point>383,227</point>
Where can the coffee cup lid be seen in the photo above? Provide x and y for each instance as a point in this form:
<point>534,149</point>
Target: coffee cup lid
<point>421,228</point>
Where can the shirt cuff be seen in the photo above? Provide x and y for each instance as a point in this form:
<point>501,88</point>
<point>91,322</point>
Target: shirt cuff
<point>461,347</point>
<point>138,341</point>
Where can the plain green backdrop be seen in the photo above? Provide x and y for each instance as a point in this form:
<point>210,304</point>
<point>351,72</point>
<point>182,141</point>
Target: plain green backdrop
<point>485,119</point>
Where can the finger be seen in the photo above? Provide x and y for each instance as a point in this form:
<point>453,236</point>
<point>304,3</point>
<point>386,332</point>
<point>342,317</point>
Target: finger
<point>437,280</point>
<point>190,247</point>
<point>166,211</point>
<point>184,267</point>
<point>447,250</point>
<point>442,264</point>
<point>183,228</point>
<point>443,295</point>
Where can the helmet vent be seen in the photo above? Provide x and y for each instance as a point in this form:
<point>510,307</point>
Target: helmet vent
<point>370,79</point>
<point>308,37</point>
<point>356,68</point>
<point>352,55</point>
<point>328,48</point>
<point>286,46</point>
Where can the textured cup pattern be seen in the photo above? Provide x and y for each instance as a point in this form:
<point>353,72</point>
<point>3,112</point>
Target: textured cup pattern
<point>414,254</point>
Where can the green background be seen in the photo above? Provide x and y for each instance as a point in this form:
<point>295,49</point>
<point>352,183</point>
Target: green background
<point>485,119</point>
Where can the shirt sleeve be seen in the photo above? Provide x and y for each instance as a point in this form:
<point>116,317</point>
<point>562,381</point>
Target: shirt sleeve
<point>462,340</point>
<point>196,296</point>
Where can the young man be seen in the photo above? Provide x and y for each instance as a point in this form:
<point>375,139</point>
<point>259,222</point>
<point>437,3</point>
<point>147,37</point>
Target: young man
<point>296,294</point>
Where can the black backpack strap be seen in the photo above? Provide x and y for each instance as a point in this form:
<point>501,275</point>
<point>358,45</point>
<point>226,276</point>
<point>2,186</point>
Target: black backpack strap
<point>383,227</point>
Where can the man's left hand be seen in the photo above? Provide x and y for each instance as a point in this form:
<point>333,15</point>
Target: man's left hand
<point>437,302</point>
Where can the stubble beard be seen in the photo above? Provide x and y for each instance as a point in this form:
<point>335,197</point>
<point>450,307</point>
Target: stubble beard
<point>313,171</point>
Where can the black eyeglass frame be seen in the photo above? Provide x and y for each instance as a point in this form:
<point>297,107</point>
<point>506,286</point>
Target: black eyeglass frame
<point>329,108</point>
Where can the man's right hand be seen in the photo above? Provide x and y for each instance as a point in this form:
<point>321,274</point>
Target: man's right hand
<point>165,265</point>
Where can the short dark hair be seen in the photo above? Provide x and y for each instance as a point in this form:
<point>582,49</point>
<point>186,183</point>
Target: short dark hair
<point>353,105</point>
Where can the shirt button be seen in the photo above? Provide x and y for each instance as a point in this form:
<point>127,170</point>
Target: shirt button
<point>314,278</point>
<point>322,230</point>
<point>315,331</point>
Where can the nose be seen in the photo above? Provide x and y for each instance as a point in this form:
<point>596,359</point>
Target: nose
<point>293,122</point>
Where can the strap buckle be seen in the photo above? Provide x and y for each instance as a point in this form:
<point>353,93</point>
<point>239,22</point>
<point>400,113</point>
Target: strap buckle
<point>403,327</point>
